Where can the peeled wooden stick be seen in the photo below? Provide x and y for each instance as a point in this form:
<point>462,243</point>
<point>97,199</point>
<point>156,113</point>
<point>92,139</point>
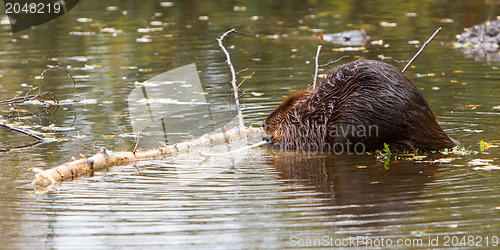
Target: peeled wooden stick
<point>106,157</point>
<point>317,66</point>
<point>27,132</point>
<point>233,74</point>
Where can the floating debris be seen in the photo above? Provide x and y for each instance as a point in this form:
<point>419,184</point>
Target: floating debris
<point>147,30</point>
<point>481,40</point>
<point>78,58</point>
<point>88,101</point>
<point>129,67</point>
<point>81,77</point>
<point>487,168</point>
<point>5,21</point>
<point>239,8</point>
<point>273,37</point>
<point>446,20</point>
<point>480,162</point>
<point>81,33</point>
<point>349,49</point>
<point>473,130</point>
<point>156,23</point>
<point>84,20</point>
<point>347,38</point>
<point>166,4</point>
<point>443,160</point>
<point>53,127</point>
<point>110,30</point>
<point>144,39</point>
<point>425,75</point>
<point>388,25</point>
<point>86,67</point>
<point>382,57</point>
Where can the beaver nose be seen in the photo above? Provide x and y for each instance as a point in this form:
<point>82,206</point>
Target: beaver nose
<point>457,143</point>
<point>267,138</point>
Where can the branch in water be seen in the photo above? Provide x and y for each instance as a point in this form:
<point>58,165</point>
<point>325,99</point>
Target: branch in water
<point>27,132</point>
<point>233,74</point>
<point>421,49</point>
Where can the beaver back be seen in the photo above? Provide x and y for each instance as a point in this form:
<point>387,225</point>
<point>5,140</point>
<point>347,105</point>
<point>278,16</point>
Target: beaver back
<point>358,107</point>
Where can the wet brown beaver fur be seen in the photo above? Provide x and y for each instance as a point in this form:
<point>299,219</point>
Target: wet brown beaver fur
<point>356,108</point>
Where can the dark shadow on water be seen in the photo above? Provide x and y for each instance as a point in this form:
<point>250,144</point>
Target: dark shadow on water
<point>359,188</point>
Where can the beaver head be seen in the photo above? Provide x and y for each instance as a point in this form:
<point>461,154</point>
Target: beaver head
<point>281,116</point>
<point>357,106</point>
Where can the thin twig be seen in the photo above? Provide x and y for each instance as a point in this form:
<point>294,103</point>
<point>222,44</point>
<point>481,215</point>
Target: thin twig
<point>244,79</point>
<point>421,49</point>
<point>137,141</point>
<point>245,69</point>
<point>316,69</point>
<point>23,131</point>
<point>27,132</point>
<point>233,74</point>
<point>48,110</point>
<point>398,61</point>
<point>242,94</point>
<point>45,95</point>
<point>53,68</point>
<point>333,62</point>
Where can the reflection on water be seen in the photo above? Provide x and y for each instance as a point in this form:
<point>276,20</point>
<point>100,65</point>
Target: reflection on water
<point>263,197</point>
<point>363,190</point>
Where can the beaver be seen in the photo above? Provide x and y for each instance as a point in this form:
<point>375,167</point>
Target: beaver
<point>357,107</point>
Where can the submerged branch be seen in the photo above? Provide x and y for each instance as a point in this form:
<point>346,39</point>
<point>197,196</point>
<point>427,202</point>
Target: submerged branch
<point>27,132</point>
